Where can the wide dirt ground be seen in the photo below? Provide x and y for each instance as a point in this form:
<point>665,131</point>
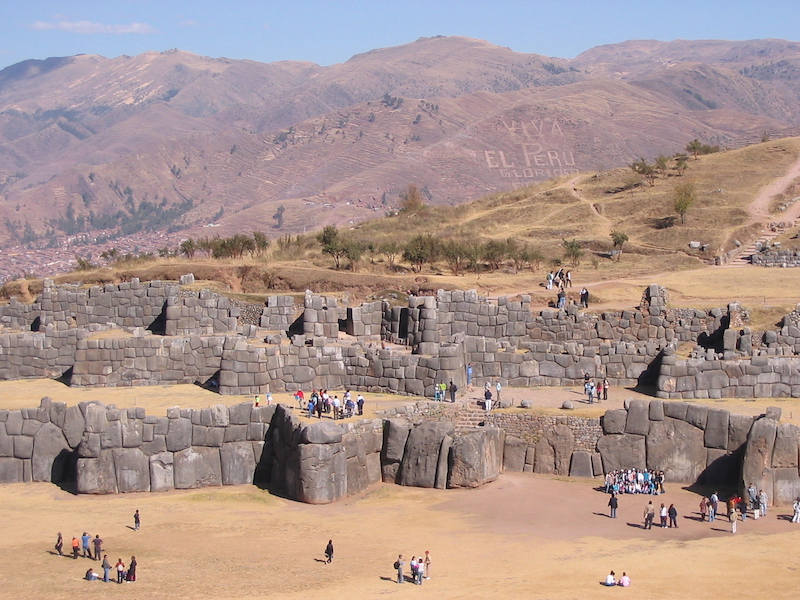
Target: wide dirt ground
<point>525,536</point>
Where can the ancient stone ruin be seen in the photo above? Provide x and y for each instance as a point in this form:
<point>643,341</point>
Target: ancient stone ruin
<point>158,333</point>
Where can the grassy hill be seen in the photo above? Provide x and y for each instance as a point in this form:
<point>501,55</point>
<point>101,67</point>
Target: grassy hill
<point>585,208</point>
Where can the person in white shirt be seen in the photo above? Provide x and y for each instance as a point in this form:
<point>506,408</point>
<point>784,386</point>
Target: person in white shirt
<point>611,579</point>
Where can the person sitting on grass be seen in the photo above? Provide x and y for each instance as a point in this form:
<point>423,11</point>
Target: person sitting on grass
<point>624,581</point>
<point>611,579</point>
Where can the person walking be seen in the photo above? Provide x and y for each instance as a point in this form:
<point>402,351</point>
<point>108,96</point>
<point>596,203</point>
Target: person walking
<point>131,576</point>
<point>106,567</point>
<point>136,520</point>
<point>762,502</point>
<point>796,507</point>
<point>672,513</point>
<point>703,509</point>
<point>662,513</point>
<point>427,563</point>
<point>120,568</point>
<point>98,546</point>
<point>329,552</point>
<point>649,515</point>
<point>398,565</point>
<point>360,404</point>
<point>60,544</point>
<point>584,297</point>
<point>453,390</point>
<point>498,388</point>
<point>613,503</point>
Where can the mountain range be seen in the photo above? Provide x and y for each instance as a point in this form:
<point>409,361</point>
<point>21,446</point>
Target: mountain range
<point>175,142</point>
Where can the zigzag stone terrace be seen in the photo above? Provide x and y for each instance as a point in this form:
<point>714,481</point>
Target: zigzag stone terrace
<point>156,333</point>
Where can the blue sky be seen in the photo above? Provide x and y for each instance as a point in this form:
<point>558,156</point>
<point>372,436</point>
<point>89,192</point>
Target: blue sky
<point>332,32</point>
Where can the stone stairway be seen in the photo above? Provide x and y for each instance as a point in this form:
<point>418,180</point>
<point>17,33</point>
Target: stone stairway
<point>469,417</point>
<point>766,237</point>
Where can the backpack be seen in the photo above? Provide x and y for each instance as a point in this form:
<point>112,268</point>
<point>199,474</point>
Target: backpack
<point>396,564</point>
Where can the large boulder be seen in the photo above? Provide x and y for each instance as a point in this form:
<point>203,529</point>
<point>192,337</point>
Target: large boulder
<point>179,434</point>
<point>717,424</point>
<point>514,454</point>
<point>321,432</point>
<point>676,410</point>
<point>676,447</point>
<point>11,470</point>
<point>786,486</point>
<point>638,421</point>
<point>322,475</point>
<point>74,425</point>
<point>443,466</point>
<point>581,464</point>
<point>785,452</point>
<point>132,470</point>
<point>96,418</point>
<point>418,467</point>
<point>613,421</point>
<point>697,415</point>
<point>96,475</point>
<point>476,457</point>
<point>395,435</point>
<point>624,451</point>
<point>51,454</point>
<point>757,466</point>
<point>237,462</point>
<point>738,429</point>
<point>197,467</point>
<point>544,460</point>
<point>162,477</point>
<point>554,451</point>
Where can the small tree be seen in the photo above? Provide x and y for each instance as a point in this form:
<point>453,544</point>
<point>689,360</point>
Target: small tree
<point>188,248</point>
<point>694,147</point>
<point>353,251</point>
<point>494,252</point>
<point>456,255</point>
<point>390,250</point>
<point>662,162</point>
<point>411,200</point>
<point>421,250</point>
<point>618,239</point>
<point>573,252</point>
<point>261,243</point>
<point>645,170</point>
<point>684,196</point>
<point>681,164</point>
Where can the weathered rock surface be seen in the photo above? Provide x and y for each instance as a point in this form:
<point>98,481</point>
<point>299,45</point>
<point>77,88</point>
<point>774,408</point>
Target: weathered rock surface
<point>420,460</point>
<point>51,454</point>
<point>676,447</point>
<point>197,467</point>
<point>237,463</point>
<point>624,451</point>
<point>132,470</point>
<point>322,475</point>
<point>475,458</point>
<point>514,454</point>
<point>757,467</point>
<point>96,475</point>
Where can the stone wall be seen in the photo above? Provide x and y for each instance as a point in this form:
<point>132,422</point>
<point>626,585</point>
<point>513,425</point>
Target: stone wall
<point>48,353</point>
<point>146,360</point>
<point>756,377</point>
<point>201,313</point>
<point>779,258</point>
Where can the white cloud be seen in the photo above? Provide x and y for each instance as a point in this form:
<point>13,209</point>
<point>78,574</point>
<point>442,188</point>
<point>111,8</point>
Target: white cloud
<point>190,23</point>
<point>90,27</point>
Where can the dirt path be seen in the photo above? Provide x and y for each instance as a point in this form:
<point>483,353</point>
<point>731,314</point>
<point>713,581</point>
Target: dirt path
<point>759,208</point>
